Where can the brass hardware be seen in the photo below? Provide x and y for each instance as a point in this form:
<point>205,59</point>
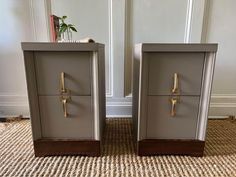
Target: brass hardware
<point>65,94</point>
<point>175,89</point>
<point>64,101</point>
<point>173,106</point>
<point>62,83</point>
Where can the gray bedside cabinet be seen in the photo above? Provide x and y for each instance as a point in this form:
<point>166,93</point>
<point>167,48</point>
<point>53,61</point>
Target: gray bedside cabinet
<point>171,94</point>
<point>66,90</point>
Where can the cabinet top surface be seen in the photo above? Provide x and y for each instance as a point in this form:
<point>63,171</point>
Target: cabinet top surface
<point>60,46</point>
<point>178,47</point>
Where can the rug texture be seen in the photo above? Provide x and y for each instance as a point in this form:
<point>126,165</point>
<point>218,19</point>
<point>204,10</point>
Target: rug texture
<point>118,155</point>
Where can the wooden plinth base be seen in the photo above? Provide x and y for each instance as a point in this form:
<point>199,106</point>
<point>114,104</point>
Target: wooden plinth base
<point>170,147</point>
<point>45,147</point>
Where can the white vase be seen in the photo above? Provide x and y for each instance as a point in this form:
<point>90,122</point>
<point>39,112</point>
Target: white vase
<point>66,36</point>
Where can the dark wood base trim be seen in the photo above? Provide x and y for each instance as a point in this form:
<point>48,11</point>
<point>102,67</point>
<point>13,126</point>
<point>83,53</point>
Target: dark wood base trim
<point>170,147</point>
<point>45,147</point>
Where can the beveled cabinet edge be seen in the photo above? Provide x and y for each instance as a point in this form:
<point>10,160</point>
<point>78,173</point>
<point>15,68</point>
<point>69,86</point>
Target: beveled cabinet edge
<point>209,65</point>
<point>95,95</point>
<point>102,89</point>
<point>32,94</point>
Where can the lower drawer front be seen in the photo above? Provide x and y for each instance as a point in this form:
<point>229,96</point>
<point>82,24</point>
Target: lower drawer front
<point>162,125</point>
<point>79,123</point>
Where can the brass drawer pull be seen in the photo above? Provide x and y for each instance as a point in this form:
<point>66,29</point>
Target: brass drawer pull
<point>175,89</point>
<point>64,102</point>
<point>62,83</point>
<point>173,106</point>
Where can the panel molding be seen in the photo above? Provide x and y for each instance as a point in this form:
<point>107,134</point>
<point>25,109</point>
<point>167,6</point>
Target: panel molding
<point>188,24</point>
<point>110,58</point>
<point>195,21</point>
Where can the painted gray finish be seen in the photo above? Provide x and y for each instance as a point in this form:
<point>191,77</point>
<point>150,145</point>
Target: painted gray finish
<point>179,47</point>
<point>150,110</point>
<point>160,123</point>
<point>87,105</point>
<point>62,46</point>
<point>101,78</point>
<point>161,69</point>
<point>75,65</point>
<point>79,123</point>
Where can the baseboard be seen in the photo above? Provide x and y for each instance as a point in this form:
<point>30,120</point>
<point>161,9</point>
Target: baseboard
<point>119,107</point>
<point>222,105</point>
<point>119,110</point>
<point>13,106</point>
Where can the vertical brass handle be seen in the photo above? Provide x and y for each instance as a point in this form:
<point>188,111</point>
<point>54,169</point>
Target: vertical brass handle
<point>175,89</point>
<point>173,106</point>
<point>64,101</point>
<point>62,83</point>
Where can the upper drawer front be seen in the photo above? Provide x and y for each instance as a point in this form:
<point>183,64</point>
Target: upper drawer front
<point>162,124</point>
<point>163,66</point>
<point>75,65</point>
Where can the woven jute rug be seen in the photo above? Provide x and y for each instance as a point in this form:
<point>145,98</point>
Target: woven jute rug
<point>118,159</point>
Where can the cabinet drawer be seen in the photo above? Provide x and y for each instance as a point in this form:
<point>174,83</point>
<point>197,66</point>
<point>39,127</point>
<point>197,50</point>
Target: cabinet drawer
<point>78,125</point>
<point>163,66</point>
<point>160,123</point>
<point>75,65</point>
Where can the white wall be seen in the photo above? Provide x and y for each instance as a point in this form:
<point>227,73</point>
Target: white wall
<point>221,28</point>
<point>16,26</point>
<point>119,24</point>
<point>91,18</point>
<point>19,22</point>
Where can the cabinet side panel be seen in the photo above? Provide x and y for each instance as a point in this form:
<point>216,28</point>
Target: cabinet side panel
<point>102,89</point>
<point>32,94</point>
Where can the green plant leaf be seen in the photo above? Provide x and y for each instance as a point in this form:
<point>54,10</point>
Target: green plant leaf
<point>63,24</point>
<point>64,17</point>
<point>63,28</point>
<point>73,28</point>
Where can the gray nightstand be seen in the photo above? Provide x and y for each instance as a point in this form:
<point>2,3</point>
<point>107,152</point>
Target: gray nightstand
<point>66,89</point>
<point>171,93</point>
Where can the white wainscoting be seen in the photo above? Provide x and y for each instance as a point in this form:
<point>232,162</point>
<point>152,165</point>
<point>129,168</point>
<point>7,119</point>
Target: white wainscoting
<point>13,105</point>
<point>222,105</point>
<point>123,35</point>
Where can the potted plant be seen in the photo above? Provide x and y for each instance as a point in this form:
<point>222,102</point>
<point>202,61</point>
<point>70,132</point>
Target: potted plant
<point>65,30</point>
